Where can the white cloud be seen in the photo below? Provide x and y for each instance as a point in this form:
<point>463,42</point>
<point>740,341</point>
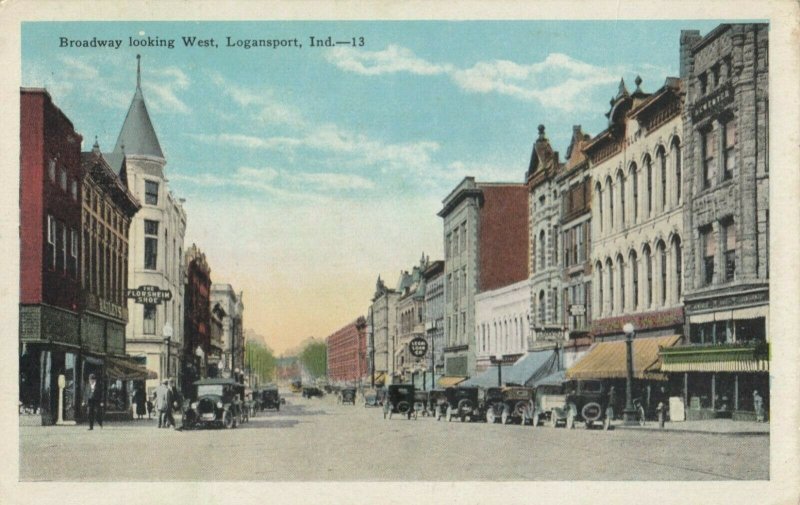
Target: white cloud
<point>268,110</point>
<point>333,180</point>
<point>162,92</point>
<point>558,82</point>
<point>392,60</point>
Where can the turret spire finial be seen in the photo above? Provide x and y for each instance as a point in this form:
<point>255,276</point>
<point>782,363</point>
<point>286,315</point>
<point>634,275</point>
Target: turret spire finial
<point>138,71</point>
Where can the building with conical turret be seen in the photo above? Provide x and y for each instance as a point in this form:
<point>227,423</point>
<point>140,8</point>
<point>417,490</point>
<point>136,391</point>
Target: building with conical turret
<point>155,275</point>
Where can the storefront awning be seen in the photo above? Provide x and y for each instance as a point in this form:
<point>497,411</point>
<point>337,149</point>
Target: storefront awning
<point>608,360</point>
<point>716,358</point>
<point>524,372</point>
<point>118,368</point>
<point>554,379</point>
<point>450,380</point>
<point>488,378</point>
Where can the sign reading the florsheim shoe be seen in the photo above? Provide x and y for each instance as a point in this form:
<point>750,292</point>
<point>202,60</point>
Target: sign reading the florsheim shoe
<point>418,347</point>
<point>148,295</point>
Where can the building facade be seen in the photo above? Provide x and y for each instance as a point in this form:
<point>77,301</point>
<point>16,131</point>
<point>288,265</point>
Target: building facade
<point>726,226</point>
<point>228,305</point>
<point>155,332</point>
<point>410,319</point>
<point>347,353</point>
<point>485,241</point>
<point>637,214</point>
<point>502,316</point>
<point>383,317</point>
<point>197,317</point>
<point>544,215</point>
<point>434,314</point>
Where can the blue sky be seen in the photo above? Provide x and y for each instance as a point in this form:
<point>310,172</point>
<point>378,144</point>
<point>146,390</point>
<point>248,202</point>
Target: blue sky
<point>308,172</point>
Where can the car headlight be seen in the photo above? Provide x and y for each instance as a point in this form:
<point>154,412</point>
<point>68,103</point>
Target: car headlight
<point>194,405</point>
<point>219,405</point>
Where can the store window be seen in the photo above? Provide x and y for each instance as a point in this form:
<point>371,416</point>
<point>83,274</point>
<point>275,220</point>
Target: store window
<point>729,231</point>
<point>634,175</point>
<point>709,144</point>
<point>730,148</point>
<point>51,170</point>
<point>634,280</point>
<point>52,234</point>
<point>708,239</point>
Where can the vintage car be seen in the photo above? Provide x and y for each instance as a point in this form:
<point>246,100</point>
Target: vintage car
<point>270,398</point>
<point>437,403</point>
<point>399,400</point>
<point>583,400</point>
<point>507,404</point>
<point>547,398</point>
<point>374,397</point>
<point>347,395</point>
<point>421,402</point>
<point>312,391</point>
<point>463,402</point>
<point>215,402</point>
<point>296,387</point>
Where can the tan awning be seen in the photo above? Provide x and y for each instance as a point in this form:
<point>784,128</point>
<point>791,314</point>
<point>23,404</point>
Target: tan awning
<point>450,380</point>
<point>122,369</point>
<point>608,360</point>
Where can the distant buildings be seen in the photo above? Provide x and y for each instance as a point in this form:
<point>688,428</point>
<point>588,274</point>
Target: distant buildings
<point>197,317</point>
<point>347,353</point>
<point>228,306</point>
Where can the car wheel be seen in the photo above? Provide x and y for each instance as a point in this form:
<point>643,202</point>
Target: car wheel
<point>463,418</point>
<point>490,417</point>
<point>227,420</point>
<point>535,420</point>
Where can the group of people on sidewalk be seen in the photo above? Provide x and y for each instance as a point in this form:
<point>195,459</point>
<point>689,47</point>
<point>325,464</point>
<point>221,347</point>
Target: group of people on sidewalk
<point>166,401</point>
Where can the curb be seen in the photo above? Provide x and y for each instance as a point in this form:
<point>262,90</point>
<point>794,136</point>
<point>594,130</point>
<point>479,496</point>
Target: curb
<point>695,431</point>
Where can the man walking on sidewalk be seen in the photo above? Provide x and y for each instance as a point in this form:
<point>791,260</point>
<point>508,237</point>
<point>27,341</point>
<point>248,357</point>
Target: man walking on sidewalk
<point>163,404</point>
<point>93,399</point>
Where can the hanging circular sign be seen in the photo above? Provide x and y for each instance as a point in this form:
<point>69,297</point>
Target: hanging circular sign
<point>418,347</point>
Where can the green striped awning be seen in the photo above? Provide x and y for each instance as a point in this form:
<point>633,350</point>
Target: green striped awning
<point>716,358</point>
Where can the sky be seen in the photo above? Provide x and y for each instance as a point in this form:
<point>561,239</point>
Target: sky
<point>309,171</point>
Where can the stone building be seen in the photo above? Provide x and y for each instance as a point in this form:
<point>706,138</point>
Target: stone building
<point>726,223</point>
<point>347,353</point>
<point>154,333</point>
<point>486,247</point>
<point>544,215</point>
<point>434,314</point>
<point>383,324</point>
<point>502,317</point>
<point>410,319</point>
<point>230,309</point>
<point>637,214</point>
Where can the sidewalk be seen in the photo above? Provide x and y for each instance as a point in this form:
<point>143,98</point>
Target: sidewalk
<point>715,426</point>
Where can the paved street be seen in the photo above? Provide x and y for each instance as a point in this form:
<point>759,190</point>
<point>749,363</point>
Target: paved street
<point>316,439</point>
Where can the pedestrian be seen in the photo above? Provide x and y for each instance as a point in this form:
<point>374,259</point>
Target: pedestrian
<point>139,402</point>
<point>758,406</point>
<point>150,405</point>
<point>663,406</point>
<point>175,403</point>
<point>163,403</point>
<point>93,400</point>
<point>612,400</point>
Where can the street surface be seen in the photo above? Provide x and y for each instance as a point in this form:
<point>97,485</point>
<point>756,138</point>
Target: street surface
<point>319,440</point>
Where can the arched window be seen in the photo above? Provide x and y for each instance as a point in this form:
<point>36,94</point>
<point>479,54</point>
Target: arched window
<point>662,256</point>
<point>634,176</point>
<point>648,266</point>
<point>610,203</point>
<point>610,268</point>
<point>634,279</point>
<point>541,250</point>
<point>648,163</point>
<point>662,170</point>
<point>599,268</point>
<point>675,154</point>
<point>621,188</point>
<point>541,307</point>
<point>677,252</point>
<point>599,191</point>
<point>621,268</point>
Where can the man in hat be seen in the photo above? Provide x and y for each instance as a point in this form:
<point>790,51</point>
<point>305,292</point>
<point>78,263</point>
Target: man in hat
<point>93,399</point>
<point>163,403</point>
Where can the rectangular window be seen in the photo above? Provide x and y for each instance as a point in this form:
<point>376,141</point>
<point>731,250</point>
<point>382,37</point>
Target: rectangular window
<point>150,244</point>
<point>463,237</point>
<point>51,170</point>
<point>730,148</point>
<point>51,242</point>
<point>730,249</point>
<point>74,190</point>
<point>447,246</point>
<point>62,178</point>
<point>73,259</point>
<point>63,256</point>
<point>151,192</point>
<point>709,242</point>
<point>455,242</point>
<point>149,320</point>
<point>709,154</point>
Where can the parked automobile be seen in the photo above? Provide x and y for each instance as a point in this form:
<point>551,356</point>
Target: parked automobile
<point>296,387</point>
<point>463,402</point>
<point>347,395</point>
<point>547,398</point>
<point>215,402</point>
<point>373,398</point>
<point>507,404</point>
<point>270,398</point>
<point>399,400</point>
<point>312,391</point>
<point>580,400</point>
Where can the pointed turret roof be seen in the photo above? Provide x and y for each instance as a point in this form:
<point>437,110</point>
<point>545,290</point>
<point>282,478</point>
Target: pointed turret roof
<point>138,137</point>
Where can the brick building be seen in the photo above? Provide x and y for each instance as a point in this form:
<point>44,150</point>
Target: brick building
<point>486,247</point>
<point>197,317</point>
<point>726,223</point>
<point>347,353</point>
<point>434,314</point>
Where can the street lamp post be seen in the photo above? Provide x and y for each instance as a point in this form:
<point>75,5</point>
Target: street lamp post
<point>167,333</point>
<point>499,360</point>
<point>629,414</point>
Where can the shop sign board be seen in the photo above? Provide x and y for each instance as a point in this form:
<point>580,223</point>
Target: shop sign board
<point>150,295</point>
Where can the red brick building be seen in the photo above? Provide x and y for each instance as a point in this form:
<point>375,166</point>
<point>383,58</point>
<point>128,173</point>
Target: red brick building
<point>197,317</point>
<point>503,236</point>
<point>347,352</point>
